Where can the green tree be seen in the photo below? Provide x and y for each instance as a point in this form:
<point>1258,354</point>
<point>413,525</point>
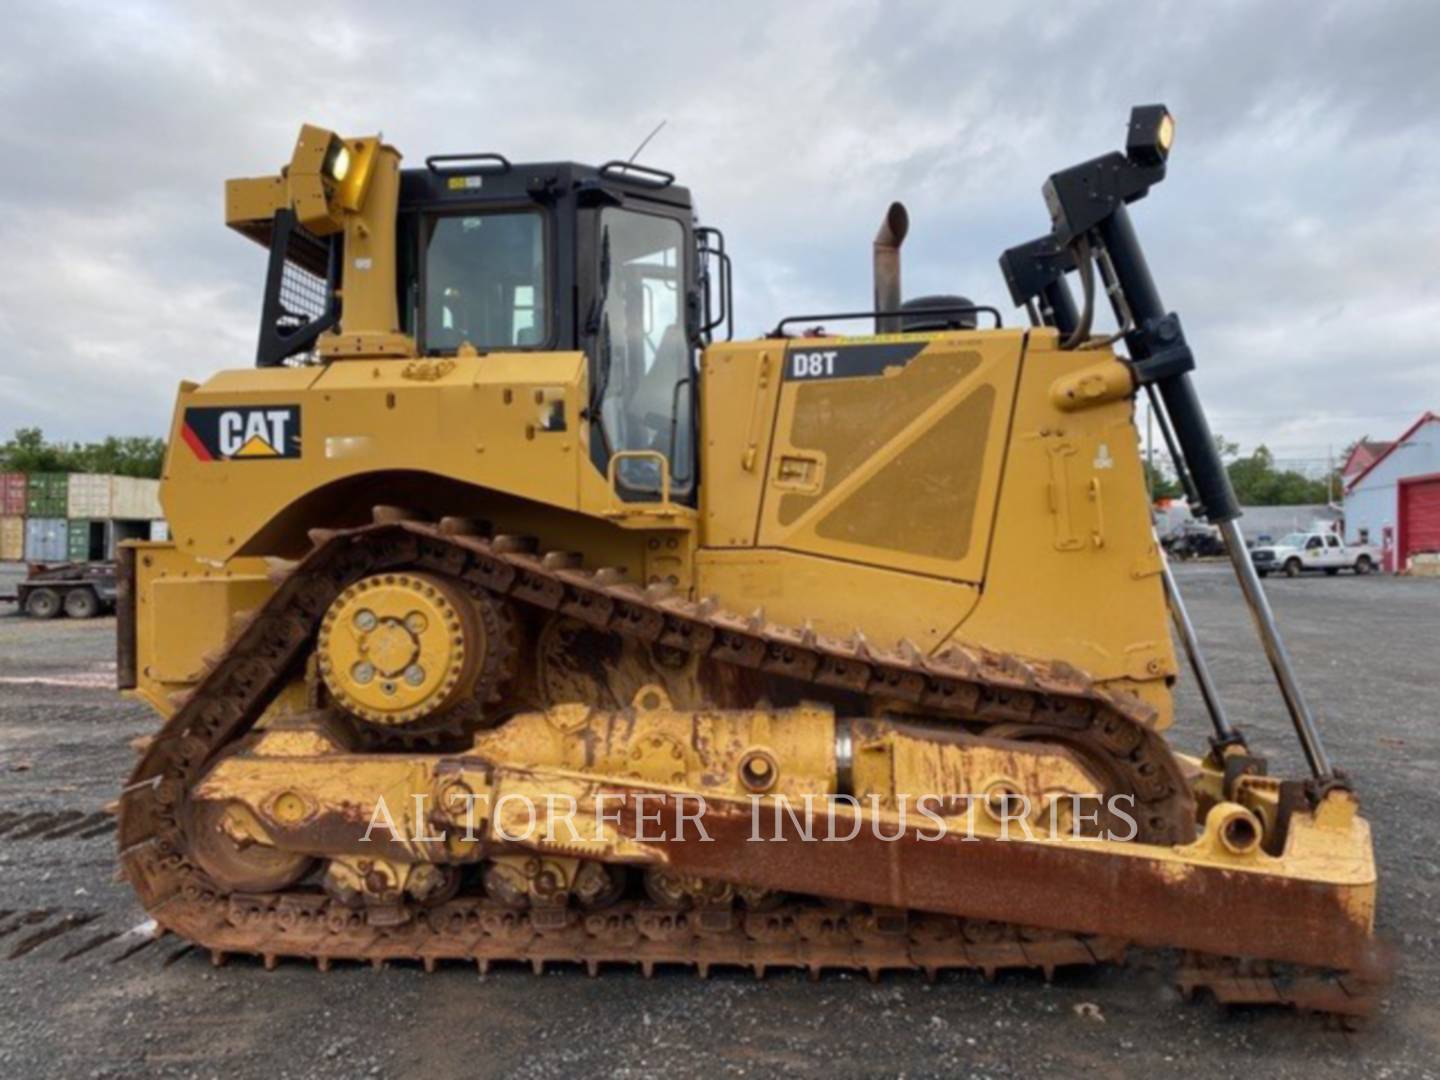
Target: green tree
<point>1159,483</point>
<point>1225,448</point>
<point>1257,482</point>
<point>29,452</point>
<point>131,455</point>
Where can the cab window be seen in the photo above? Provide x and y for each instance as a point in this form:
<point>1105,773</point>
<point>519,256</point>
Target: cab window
<point>1332,541</point>
<point>1312,543</point>
<point>485,282</point>
<point>644,355</point>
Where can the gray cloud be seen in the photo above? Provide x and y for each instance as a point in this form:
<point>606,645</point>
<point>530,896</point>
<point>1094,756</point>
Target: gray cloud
<point>1297,232</point>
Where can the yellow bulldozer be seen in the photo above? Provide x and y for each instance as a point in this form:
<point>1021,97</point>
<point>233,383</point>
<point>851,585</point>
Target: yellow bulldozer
<point>514,611</point>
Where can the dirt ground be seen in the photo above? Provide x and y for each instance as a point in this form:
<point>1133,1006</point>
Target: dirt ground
<point>83,996</point>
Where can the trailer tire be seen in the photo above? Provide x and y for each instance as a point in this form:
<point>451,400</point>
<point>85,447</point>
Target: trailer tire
<point>42,604</point>
<point>82,604</point>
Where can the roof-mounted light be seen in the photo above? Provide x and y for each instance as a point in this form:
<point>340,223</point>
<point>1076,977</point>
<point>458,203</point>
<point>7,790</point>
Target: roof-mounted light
<point>337,160</point>
<point>1152,132</point>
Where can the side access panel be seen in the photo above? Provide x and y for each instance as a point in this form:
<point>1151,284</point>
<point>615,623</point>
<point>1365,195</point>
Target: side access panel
<point>177,610</point>
<point>836,598</point>
<point>1075,574</point>
<point>740,381</point>
<point>888,451</point>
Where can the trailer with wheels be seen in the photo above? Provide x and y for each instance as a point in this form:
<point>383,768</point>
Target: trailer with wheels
<point>80,590</point>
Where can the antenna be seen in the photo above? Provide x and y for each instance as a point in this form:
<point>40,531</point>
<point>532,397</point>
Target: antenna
<point>646,142</point>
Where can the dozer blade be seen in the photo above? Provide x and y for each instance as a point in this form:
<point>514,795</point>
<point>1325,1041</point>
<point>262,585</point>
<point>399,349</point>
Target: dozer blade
<point>1312,906</point>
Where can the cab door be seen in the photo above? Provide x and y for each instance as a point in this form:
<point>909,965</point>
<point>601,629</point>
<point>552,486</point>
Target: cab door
<point>887,451</point>
<point>642,349</point>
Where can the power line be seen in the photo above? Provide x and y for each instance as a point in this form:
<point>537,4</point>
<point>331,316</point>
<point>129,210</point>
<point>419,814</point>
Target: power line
<point>1326,418</point>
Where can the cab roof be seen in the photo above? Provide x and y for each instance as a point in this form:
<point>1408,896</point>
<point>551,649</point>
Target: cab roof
<point>468,178</point>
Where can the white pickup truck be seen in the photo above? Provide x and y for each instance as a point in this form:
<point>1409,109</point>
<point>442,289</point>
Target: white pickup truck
<point>1293,554</point>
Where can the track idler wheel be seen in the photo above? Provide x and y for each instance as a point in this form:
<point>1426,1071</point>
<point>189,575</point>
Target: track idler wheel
<point>237,862</point>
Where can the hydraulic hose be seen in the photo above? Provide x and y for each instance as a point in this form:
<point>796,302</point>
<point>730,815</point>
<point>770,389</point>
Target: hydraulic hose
<point>1084,262</point>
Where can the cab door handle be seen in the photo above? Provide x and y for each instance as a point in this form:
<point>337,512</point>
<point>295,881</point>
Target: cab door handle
<point>803,473</point>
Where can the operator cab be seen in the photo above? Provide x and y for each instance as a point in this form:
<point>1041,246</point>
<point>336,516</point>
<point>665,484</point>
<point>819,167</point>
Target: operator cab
<point>559,256</point>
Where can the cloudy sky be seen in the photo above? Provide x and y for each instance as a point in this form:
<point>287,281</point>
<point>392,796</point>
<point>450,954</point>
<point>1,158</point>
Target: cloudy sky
<point>1298,231</point>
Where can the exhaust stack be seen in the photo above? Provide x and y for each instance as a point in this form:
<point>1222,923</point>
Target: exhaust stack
<point>887,268</point>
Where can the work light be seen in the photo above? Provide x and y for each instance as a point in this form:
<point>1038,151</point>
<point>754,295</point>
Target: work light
<point>1152,131</point>
<point>337,161</point>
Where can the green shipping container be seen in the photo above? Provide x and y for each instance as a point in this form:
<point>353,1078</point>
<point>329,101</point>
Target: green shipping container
<point>79,545</point>
<point>85,540</point>
<point>47,495</point>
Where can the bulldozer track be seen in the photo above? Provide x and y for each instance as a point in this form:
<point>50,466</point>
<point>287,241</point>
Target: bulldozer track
<point>483,935</point>
<point>960,683</point>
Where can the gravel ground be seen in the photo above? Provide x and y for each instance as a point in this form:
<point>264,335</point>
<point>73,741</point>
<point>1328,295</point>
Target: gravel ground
<point>78,997</point>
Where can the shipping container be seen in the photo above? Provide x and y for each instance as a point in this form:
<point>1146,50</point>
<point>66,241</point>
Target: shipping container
<point>134,499</point>
<point>44,496</point>
<point>12,538</point>
<point>88,497</point>
<point>117,532</point>
<point>160,530</point>
<point>88,541</point>
<point>78,540</point>
<point>47,495</point>
<point>46,540</point>
<point>12,494</point>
